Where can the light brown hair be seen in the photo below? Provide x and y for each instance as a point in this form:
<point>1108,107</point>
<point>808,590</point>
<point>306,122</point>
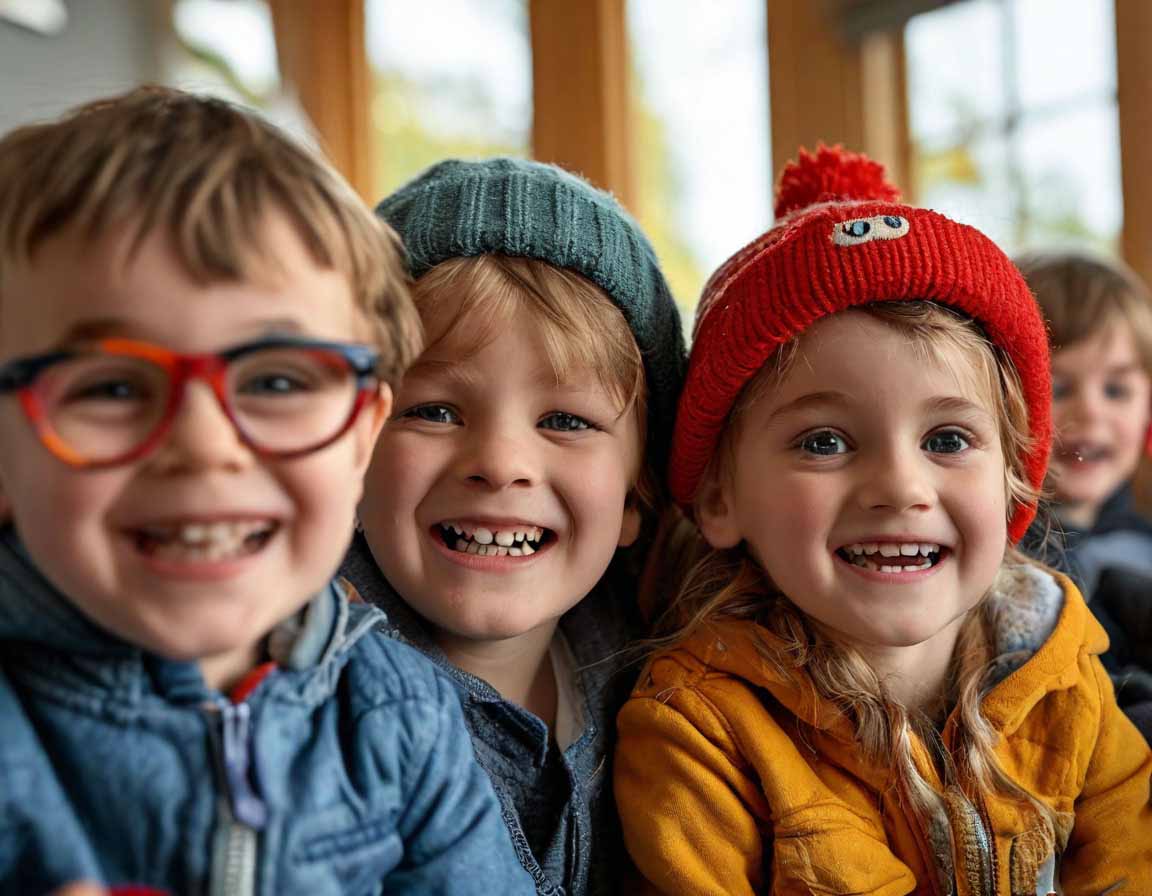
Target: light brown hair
<point>709,583</point>
<point>208,173</point>
<point>581,326</point>
<point>1083,295</point>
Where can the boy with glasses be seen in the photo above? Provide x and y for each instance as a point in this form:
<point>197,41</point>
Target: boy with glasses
<point>200,327</point>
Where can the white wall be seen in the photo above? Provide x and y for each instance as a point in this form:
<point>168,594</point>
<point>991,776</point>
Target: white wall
<point>107,46</point>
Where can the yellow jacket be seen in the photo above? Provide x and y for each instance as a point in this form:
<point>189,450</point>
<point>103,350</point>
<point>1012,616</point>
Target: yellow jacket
<point>730,781</point>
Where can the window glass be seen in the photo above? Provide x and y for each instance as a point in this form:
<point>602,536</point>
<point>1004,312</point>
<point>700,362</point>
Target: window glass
<point>1018,134</point>
<point>701,149</point>
<point>451,78</point>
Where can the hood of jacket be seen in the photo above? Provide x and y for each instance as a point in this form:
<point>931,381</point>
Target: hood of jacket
<point>1039,635</point>
<point>35,617</point>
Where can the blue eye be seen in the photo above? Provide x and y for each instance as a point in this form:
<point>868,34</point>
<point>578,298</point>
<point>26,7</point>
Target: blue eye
<point>824,444</point>
<point>1060,390</point>
<point>432,413</point>
<point>1117,391</point>
<point>947,441</point>
<point>561,421</point>
<point>273,384</point>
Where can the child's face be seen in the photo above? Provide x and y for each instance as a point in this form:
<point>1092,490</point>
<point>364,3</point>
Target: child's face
<point>1100,409</point>
<point>199,548</point>
<point>485,446</point>
<point>865,450</point>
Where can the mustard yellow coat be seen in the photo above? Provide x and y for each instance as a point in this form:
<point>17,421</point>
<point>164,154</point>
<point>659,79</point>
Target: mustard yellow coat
<point>729,781</point>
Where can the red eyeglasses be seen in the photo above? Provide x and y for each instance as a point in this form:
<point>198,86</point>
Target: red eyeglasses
<point>112,402</point>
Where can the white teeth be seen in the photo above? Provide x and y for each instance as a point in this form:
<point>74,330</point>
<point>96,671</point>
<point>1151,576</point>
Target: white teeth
<point>519,535</point>
<point>473,548</point>
<point>515,552</point>
<point>483,536</point>
<point>505,539</point>
<point>528,549</point>
<point>871,547</point>
<point>889,550</point>
<point>909,550</point>
<point>926,549</point>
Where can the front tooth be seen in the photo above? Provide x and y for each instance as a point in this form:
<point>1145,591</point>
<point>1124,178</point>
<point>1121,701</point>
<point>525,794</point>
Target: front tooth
<point>889,550</point>
<point>193,533</point>
<point>909,550</point>
<point>483,536</point>
<point>505,539</point>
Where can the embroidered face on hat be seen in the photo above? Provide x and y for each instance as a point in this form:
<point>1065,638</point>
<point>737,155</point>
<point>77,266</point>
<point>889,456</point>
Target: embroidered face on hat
<point>842,241</point>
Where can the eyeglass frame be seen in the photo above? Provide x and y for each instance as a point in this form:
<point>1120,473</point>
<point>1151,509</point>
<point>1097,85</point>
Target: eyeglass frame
<point>20,375</point>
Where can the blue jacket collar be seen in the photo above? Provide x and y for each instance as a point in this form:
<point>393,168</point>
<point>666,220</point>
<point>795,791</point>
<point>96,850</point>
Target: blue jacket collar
<point>35,616</point>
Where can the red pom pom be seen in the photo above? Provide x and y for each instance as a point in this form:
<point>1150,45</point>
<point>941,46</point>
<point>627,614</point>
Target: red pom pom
<point>832,174</point>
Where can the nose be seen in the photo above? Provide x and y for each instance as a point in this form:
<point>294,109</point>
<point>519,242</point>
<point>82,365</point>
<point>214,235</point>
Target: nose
<point>500,455</point>
<point>201,436</point>
<point>898,479</point>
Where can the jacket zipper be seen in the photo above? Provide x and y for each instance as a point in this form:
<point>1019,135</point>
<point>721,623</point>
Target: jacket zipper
<point>241,814</point>
<point>977,817</point>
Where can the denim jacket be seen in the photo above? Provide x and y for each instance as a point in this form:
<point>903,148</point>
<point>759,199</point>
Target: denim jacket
<point>558,805</point>
<point>346,771</point>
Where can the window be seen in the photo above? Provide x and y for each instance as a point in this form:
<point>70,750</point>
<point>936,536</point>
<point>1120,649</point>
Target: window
<point>1018,134</point>
<point>451,78</point>
<point>701,150</point>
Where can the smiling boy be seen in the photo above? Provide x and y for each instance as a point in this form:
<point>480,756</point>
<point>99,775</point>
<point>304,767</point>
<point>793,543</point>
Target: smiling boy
<point>525,445</point>
<point>199,330</point>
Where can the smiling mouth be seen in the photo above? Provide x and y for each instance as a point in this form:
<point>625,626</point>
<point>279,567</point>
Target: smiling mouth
<point>204,542</point>
<point>898,557</point>
<point>515,541</point>
<point>1080,453</point>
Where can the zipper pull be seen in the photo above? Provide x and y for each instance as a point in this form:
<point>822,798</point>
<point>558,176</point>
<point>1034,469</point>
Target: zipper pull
<point>236,743</point>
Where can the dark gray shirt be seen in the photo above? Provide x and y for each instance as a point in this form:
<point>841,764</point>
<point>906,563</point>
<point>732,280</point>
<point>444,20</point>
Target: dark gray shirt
<point>557,803</point>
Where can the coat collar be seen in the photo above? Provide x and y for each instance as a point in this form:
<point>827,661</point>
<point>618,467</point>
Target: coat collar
<point>1041,622</point>
<point>35,617</point>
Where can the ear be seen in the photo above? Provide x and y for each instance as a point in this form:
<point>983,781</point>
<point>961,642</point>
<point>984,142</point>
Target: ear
<point>715,516</point>
<point>630,525</point>
<point>374,415</point>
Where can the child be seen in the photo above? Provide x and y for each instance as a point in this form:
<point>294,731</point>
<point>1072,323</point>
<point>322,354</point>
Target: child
<point>524,446</point>
<point>865,688</point>
<point>1099,315</point>
<point>199,326</point>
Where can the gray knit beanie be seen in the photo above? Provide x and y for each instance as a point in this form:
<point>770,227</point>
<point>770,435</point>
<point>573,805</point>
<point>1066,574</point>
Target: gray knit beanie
<point>532,210</point>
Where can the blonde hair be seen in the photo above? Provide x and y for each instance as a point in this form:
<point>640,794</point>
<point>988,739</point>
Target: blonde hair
<point>208,173</point>
<point>1083,295</point>
<point>581,326</point>
<point>710,583</point>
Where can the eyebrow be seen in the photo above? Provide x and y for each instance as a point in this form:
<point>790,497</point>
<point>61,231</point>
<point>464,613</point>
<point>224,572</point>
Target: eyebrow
<point>937,404</point>
<point>105,327</point>
<point>460,372</point>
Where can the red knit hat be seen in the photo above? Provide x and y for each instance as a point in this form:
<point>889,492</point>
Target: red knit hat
<point>843,240</point>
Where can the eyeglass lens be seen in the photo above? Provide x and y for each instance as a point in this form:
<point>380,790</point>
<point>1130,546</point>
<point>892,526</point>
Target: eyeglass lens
<point>283,399</point>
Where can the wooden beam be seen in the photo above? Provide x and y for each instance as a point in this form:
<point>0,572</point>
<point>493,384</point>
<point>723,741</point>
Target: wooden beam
<point>1134,94</point>
<point>324,61</point>
<point>827,87</point>
<point>581,93</point>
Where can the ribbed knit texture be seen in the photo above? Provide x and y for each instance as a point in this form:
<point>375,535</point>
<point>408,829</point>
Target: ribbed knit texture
<point>775,288</point>
<point>532,210</point>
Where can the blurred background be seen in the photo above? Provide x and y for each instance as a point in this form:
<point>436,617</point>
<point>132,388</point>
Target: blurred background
<point>1030,119</point>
